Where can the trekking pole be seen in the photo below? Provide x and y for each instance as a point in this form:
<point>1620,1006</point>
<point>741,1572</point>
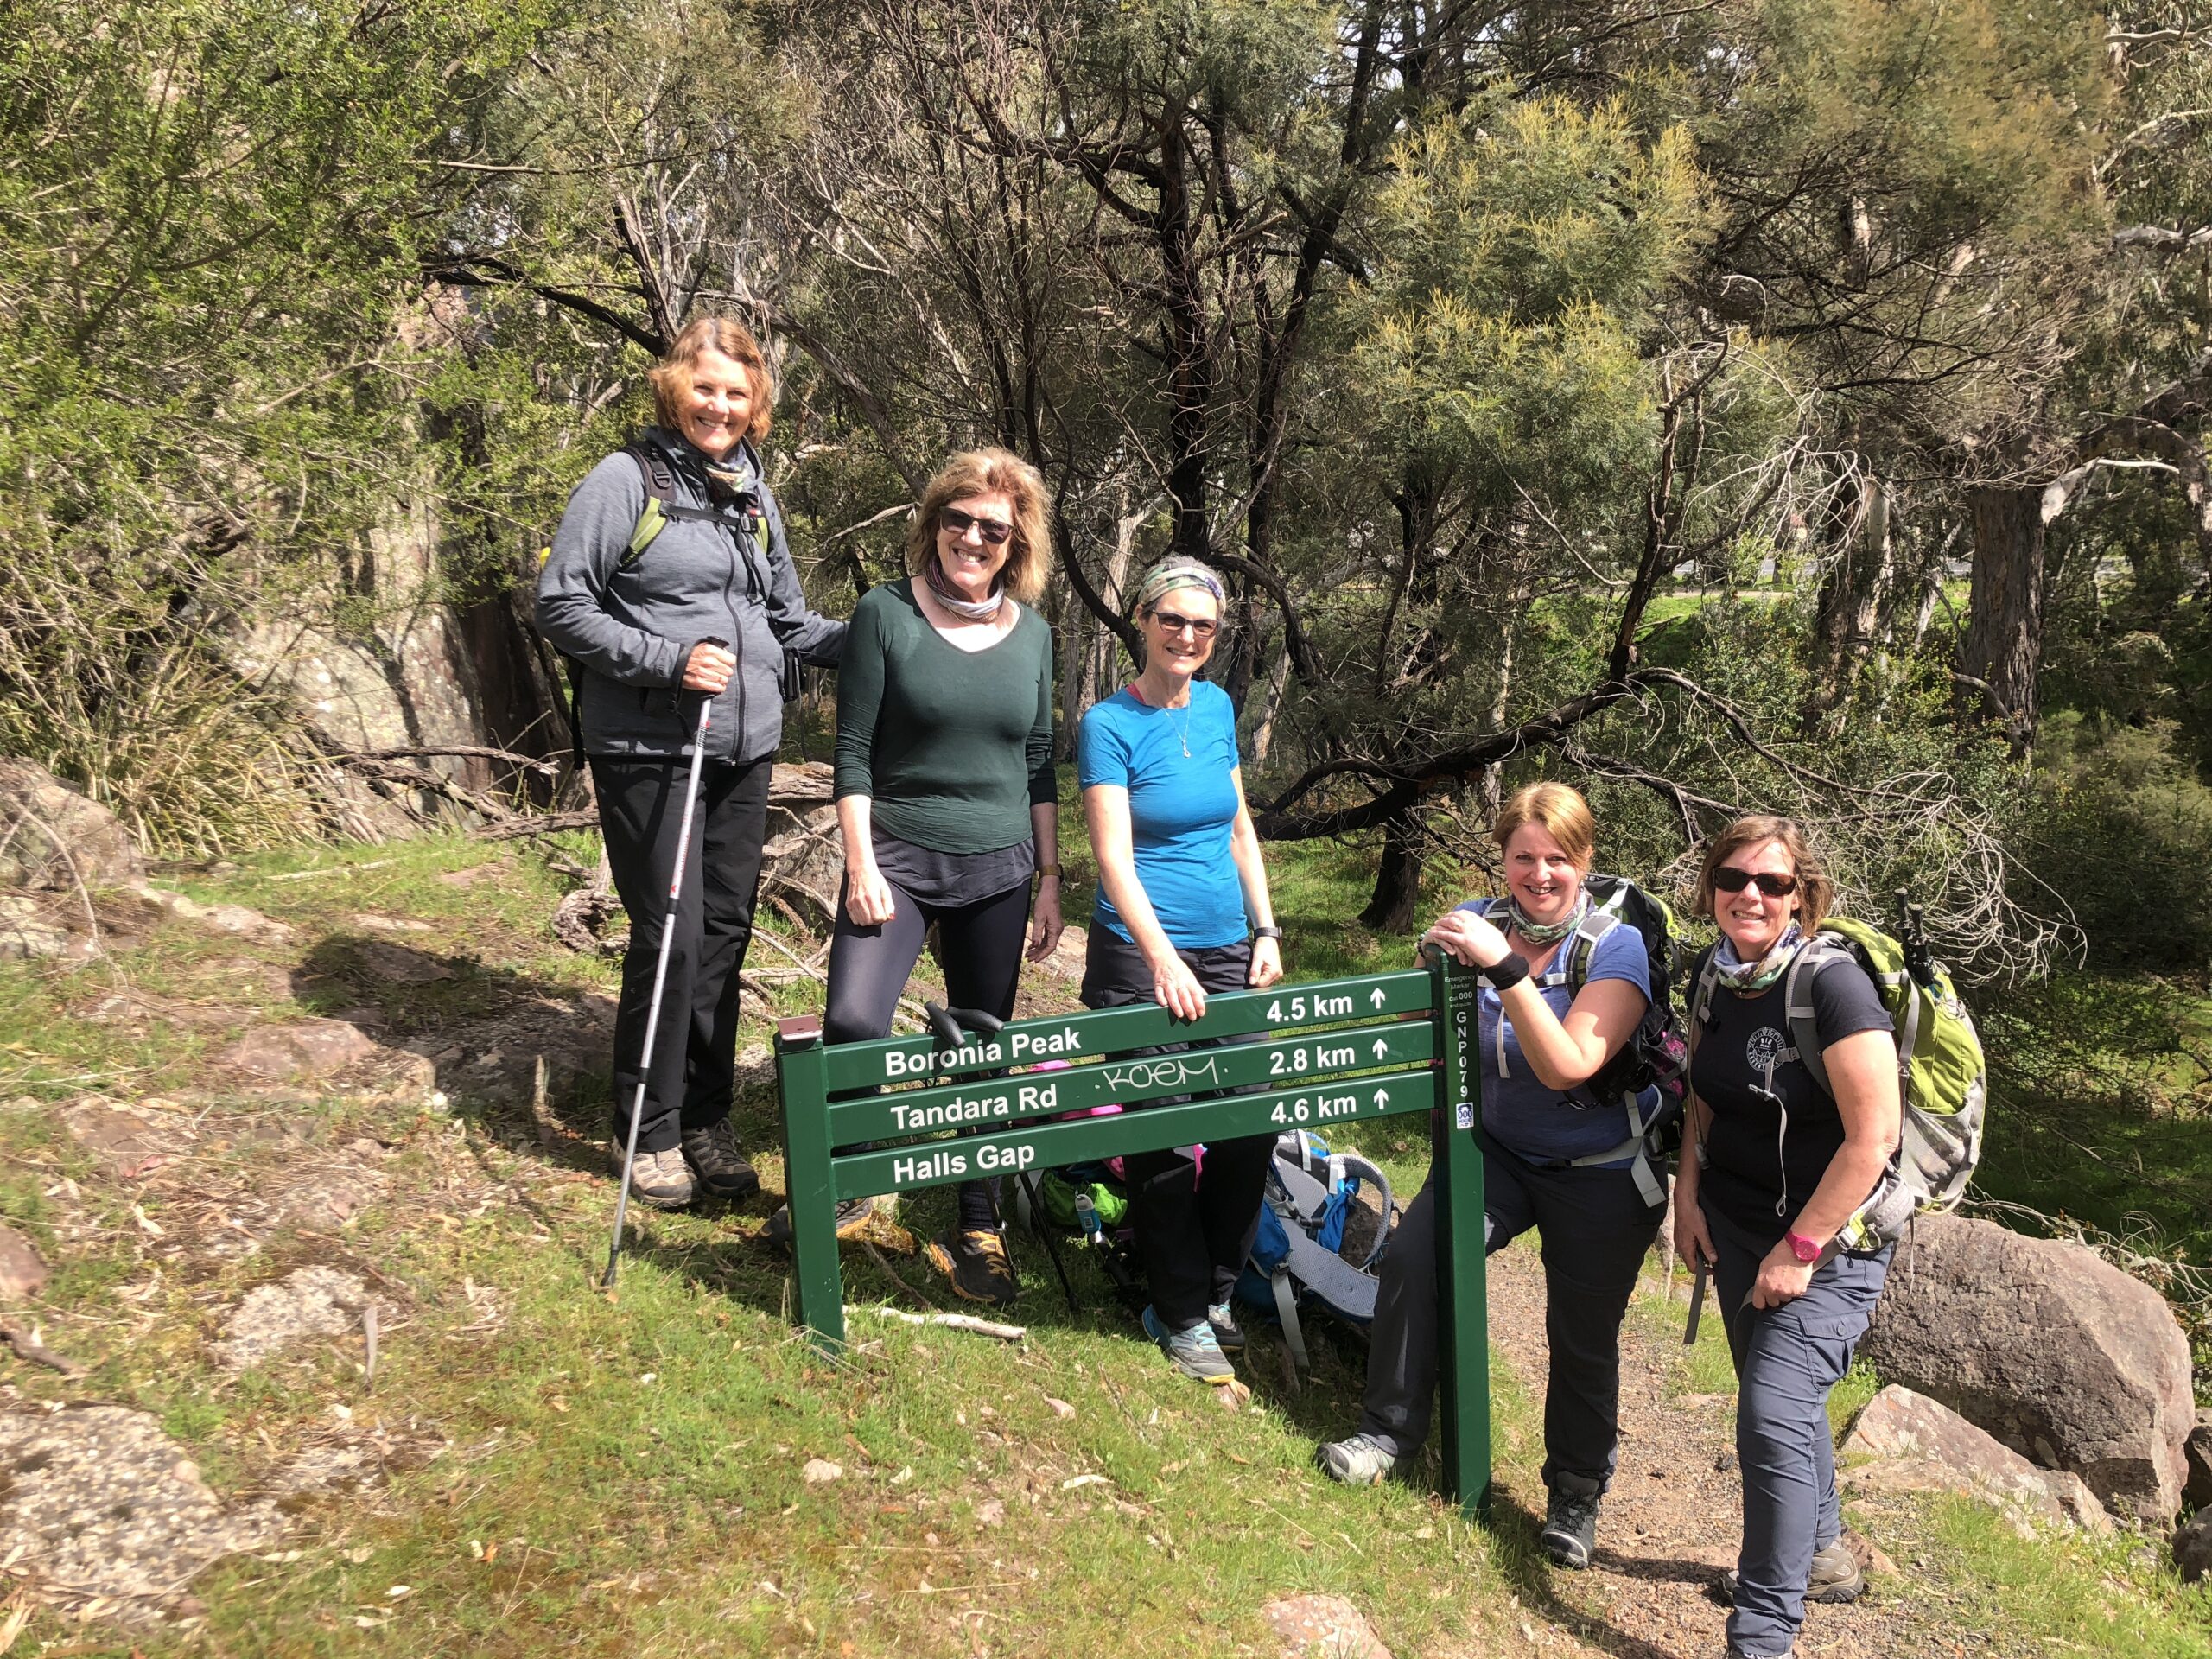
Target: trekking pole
<point>660,981</point>
<point>1913,935</point>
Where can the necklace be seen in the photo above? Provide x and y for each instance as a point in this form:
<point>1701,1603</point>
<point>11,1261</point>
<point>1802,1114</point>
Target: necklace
<point>1184,736</point>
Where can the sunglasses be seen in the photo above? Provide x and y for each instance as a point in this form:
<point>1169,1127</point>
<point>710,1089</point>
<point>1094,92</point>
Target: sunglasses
<point>957,523</point>
<point>1199,627</point>
<point>1730,880</point>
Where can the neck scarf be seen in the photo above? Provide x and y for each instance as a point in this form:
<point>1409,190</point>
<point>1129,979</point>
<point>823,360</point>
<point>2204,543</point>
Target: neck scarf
<point>1540,933</point>
<point>1746,977</point>
<point>973,610</point>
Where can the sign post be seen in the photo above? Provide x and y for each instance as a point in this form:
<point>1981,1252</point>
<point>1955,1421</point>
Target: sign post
<point>898,1113</point>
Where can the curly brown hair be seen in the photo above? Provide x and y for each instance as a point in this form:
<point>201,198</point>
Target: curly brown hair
<point>1815,892</point>
<point>671,377</point>
<point>989,472</point>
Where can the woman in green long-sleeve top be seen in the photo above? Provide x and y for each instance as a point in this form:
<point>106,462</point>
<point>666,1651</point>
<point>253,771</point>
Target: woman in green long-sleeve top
<point>945,792</point>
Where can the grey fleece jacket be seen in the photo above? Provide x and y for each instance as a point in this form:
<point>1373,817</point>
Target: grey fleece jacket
<point>633,629</point>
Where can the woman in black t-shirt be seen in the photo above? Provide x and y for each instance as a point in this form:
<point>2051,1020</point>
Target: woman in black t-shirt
<point>1780,1165</point>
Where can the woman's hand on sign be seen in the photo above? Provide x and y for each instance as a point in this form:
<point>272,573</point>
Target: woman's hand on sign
<point>1470,938</point>
<point>708,669</point>
<point>1267,964</point>
<point>1176,988</point>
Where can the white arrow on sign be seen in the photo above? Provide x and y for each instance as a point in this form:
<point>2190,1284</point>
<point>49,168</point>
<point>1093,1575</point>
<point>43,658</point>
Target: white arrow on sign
<point>1376,996</point>
<point>1382,1098</point>
<point>1381,1049</point>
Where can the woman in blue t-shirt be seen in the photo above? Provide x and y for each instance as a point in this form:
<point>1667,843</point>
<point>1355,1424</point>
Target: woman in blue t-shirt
<point>1555,1158</point>
<point>1182,909</point>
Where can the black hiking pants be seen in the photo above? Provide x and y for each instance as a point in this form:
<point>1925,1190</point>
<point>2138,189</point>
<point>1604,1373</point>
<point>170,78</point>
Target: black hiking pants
<point>979,946</point>
<point>1596,1229</point>
<point>1193,1224</point>
<point>693,1064</point>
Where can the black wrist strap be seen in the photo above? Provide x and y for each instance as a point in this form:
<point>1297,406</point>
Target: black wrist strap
<point>1503,975</point>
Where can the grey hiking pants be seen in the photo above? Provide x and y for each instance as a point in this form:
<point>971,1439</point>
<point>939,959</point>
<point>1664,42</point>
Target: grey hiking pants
<point>1787,1359</point>
<point>1596,1229</point>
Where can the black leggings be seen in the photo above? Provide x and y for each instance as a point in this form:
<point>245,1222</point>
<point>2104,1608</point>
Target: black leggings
<point>979,946</point>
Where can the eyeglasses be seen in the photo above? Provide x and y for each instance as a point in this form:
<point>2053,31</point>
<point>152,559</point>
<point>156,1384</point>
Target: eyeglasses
<point>1199,627</point>
<point>957,523</point>
<point>1727,879</point>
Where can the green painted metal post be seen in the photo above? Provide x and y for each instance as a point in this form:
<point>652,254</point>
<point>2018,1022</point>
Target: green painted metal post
<point>803,1081</point>
<point>1461,1272</point>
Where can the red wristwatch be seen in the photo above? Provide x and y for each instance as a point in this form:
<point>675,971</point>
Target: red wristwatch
<point>1803,1248</point>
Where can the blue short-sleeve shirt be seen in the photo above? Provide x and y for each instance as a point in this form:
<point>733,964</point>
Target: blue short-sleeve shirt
<point>1181,808</point>
<point>1526,1115</point>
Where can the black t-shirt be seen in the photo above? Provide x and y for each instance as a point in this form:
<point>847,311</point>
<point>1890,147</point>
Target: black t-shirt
<point>1762,1163</point>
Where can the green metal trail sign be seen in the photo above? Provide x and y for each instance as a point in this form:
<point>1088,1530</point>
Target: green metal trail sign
<point>864,1118</point>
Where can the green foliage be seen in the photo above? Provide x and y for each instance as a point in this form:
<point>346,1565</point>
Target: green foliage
<point>210,227</point>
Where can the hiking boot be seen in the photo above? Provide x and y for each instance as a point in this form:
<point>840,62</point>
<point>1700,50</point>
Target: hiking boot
<point>975,1259</point>
<point>1226,1330</point>
<point>660,1178</point>
<point>719,1167</point>
<point>1570,1521</point>
<point>1836,1577</point>
<point>852,1217</point>
<point>1735,1652</point>
<point>1363,1460</point>
<point>1195,1351</point>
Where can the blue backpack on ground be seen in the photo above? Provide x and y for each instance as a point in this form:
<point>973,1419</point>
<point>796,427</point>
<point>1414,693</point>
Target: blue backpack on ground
<point>1298,1264</point>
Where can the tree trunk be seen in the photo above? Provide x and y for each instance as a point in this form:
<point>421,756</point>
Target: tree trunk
<point>2004,640</point>
<point>1264,730</point>
<point>1858,573</point>
<point>1396,902</point>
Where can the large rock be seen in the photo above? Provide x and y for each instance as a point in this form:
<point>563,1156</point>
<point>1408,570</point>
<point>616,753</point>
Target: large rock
<point>52,836</point>
<point>1321,1627</point>
<point>2050,1348</point>
<point>1951,1453</point>
<point>29,929</point>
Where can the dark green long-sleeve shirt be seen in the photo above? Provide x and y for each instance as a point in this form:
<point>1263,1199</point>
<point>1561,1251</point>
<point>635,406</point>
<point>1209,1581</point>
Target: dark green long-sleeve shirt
<point>953,746</point>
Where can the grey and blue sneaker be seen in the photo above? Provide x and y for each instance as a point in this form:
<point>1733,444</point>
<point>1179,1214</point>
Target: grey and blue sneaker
<point>1196,1352</point>
<point>1836,1576</point>
<point>1226,1330</point>
<point>1570,1531</point>
<point>1363,1460</point>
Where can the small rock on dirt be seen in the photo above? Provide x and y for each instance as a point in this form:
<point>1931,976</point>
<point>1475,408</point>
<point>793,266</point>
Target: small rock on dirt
<point>248,924</point>
<point>130,1141</point>
<point>1322,1627</point>
<point>21,1274</point>
<point>820,1472</point>
<point>99,1500</point>
<point>28,931</point>
<point>317,1301</point>
<point>469,877</point>
<point>304,1048</point>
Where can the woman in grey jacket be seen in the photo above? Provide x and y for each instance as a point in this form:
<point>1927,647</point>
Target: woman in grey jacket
<point>670,580</point>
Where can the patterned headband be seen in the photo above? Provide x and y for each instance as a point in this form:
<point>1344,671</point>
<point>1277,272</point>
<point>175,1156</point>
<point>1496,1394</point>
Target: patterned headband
<point>1171,574</point>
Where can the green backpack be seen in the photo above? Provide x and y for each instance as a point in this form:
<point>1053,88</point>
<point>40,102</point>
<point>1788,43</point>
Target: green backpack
<point>1942,1077</point>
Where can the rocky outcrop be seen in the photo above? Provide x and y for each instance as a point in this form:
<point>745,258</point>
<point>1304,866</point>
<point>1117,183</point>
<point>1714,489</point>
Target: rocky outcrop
<point>1917,1443</point>
<point>51,836</point>
<point>2058,1354</point>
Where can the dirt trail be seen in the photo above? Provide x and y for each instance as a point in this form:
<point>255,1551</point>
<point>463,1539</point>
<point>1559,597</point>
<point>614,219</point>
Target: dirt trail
<point>1671,1519</point>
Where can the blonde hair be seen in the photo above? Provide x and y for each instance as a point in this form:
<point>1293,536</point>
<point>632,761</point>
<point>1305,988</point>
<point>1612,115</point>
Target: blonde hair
<point>1815,892</point>
<point>989,472</point>
<point>672,376</point>
<point>1562,812</point>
